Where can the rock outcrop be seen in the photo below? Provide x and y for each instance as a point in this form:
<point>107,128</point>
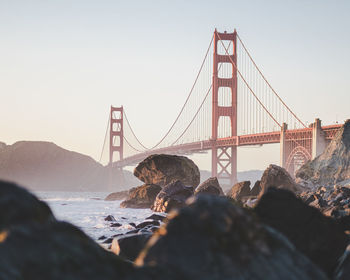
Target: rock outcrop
<point>210,186</point>
<point>214,239</point>
<point>256,189</point>
<point>141,197</point>
<point>333,165</point>
<point>172,196</point>
<point>318,237</point>
<point>278,177</point>
<point>117,195</point>
<point>239,190</point>
<point>164,169</point>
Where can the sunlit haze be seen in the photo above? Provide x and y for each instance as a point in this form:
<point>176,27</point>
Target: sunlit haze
<point>64,63</point>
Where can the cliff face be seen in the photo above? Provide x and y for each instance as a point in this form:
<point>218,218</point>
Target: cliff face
<point>46,166</point>
<point>333,165</point>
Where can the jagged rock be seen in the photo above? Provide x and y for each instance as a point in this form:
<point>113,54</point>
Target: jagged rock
<point>256,189</point>
<point>278,177</point>
<point>333,165</point>
<point>18,206</point>
<point>210,186</point>
<point>163,169</point>
<point>156,217</point>
<point>117,195</point>
<point>239,190</point>
<point>110,218</point>
<point>141,197</point>
<point>56,251</point>
<point>320,238</point>
<point>172,196</point>
<point>129,246</point>
<point>214,239</point>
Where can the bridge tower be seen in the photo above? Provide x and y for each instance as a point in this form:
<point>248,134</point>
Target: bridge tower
<point>116,133</point>
<point>224,160</point>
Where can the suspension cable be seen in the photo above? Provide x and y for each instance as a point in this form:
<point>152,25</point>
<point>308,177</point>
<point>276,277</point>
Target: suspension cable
<point>262,75</point>
<point>104,141</point>
<point>132,131</point>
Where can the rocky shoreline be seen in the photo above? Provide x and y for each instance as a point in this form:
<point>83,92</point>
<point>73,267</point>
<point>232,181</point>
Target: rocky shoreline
<point>280,228</point>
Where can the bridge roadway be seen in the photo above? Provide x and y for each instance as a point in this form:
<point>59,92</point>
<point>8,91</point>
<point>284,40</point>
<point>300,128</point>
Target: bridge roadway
<point>241,140</point>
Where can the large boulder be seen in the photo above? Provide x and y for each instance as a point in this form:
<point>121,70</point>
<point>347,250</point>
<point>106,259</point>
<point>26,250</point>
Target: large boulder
<point>333,165</point>
<point>18,206</point>
<point>172,196</point>
<point>163,169</point>
<point>212,238</point>
<point>210,186</point>
<point>320,238</point>
<point>256,189</point>
<point>239,190</point>
<point>278,177</point>
<point>117,195</point>
<point>141,197</point>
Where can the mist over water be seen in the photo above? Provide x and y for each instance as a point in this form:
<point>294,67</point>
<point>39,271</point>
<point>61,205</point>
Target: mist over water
<point>87,210</point>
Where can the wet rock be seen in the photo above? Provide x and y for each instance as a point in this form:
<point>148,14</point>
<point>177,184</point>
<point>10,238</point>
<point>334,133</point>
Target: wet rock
<point>56,251</point>
<point>147,223</point>
<point>320,238</point>
<point>239,190</point>
<point>156,217</point>
<point>116,225</point>
<point>102,237</point>
<point>117,195</point>
<point>132,224</point>
<point>172,196</point>
<point>333,165</point>
<point>255,191</point>
<point>164,169</point>
<point>210,186</point>
<point>278,177</point>
<point>141,197</point>
<point>110,218</point>
<point>108,241</point>
<point>214,239</point>
<point>18,206</point>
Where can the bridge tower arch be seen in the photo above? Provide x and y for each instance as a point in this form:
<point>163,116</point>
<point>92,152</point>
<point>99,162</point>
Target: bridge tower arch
<point>116,133</point>
<point>224,159</point>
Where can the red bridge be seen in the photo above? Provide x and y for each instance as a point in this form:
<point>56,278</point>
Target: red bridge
<point>230,104</point>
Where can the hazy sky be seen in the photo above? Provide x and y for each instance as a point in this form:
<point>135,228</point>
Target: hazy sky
<point>64,62</point>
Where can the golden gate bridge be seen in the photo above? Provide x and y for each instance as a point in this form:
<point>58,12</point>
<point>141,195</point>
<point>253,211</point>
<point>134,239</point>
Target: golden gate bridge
<point>230,104</point>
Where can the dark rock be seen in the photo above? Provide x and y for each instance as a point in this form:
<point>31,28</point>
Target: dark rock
<point>133,231</point>
<point>110,218</point>
<point>117,195</point>
<point>278,177</point>
<point>255,191</point>
<point>156,217</point>
<point>108,241</point>
<point>129,246</point>
<point>102,237</point>
<point>320,238</point>
<point>164,169</point>
<point>333,165</point>
<point>239,190</point>
<point>141,197</point>
<point>147,223</point>
<point>214,239</point>
<point>116,225</point>
<point>18,206</point>
<point>132,224</point>
<point>172,196</point>
<point>56,251</point>
<point>343,270</point>
<point>210,186</point>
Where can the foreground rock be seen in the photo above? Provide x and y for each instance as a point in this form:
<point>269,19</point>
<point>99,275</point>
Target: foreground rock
<point>214,239</point>
<point>163,169</point>
<point>320,238</point>
<point>278,177</point>
<point>211,186</point>
<point>141,197</point>
<point>239,190</point>
<point>333,165</point>
<point>172,196</point>
<point>18,206</point>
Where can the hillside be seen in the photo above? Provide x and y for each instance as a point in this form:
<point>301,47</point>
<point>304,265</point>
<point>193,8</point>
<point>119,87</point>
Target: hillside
<point>46,166</point>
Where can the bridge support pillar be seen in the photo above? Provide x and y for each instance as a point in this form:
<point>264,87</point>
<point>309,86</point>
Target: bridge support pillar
<point>224,164</point>
<point>319,142</point>
<point>283,146</point>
